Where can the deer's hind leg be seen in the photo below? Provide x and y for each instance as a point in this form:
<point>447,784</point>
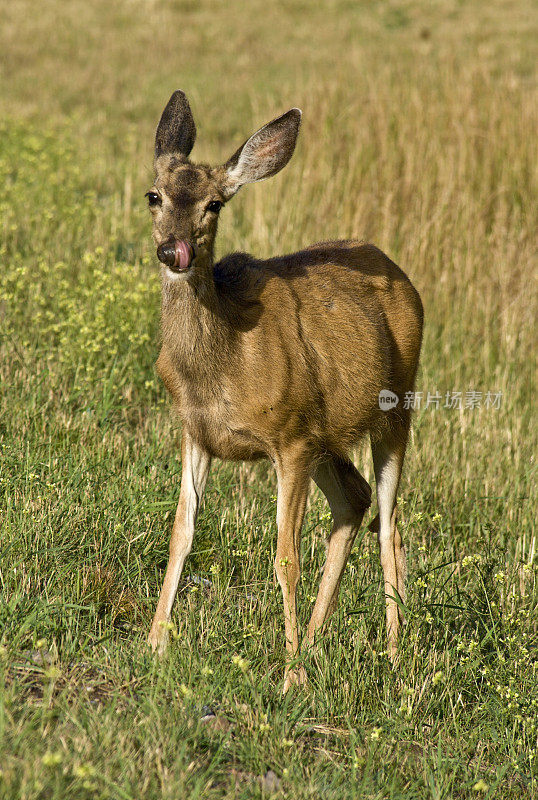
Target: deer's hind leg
<point>348,495</point>
<point>388,455</point>
<point>399,555</point>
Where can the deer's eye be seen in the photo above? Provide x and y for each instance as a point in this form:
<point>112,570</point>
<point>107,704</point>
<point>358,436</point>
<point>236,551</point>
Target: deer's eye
<point>153,199</point>
<point>214,206</point>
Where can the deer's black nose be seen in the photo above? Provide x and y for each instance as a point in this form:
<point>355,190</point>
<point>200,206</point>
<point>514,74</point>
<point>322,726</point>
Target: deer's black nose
<point>166,253</point>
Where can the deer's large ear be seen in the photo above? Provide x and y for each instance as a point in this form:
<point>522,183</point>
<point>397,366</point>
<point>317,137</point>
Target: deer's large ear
<point>265,153</point>
<point>176,131</point>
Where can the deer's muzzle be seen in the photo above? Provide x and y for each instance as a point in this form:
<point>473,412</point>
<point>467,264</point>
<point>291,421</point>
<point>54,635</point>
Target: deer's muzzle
<point>176,254</point>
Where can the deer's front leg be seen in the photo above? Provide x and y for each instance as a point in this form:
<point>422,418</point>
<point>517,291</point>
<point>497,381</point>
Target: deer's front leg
<point>195,469</point>
<point>293,482</point>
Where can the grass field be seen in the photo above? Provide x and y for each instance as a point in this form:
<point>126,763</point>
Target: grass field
<point>419,134</point>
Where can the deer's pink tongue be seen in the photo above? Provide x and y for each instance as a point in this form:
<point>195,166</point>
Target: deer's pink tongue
<point>184,254</point>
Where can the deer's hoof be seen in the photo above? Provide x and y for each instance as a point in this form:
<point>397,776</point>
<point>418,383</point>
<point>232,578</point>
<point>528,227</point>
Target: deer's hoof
<point>392,650</point>
<point>295,677</point>
<point>158,639</point>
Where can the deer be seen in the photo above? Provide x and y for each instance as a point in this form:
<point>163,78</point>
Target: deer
<point>286,359</point>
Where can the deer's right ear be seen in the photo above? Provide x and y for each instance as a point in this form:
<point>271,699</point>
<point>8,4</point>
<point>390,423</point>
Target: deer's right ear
<point>176,131</point>
<point>265,153</point>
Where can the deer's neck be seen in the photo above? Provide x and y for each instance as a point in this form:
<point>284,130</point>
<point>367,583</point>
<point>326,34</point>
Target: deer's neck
<point>196,335</point>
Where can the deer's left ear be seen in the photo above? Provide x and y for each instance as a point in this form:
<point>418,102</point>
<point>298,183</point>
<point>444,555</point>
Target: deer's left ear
<point>176,131</point>
<point>264,154</point>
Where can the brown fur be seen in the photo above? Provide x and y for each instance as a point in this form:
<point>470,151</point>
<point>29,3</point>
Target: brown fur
<point>255,361</point>
<point>282,358</point>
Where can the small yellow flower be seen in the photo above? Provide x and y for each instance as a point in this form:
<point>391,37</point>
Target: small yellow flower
<point>84,771</point>
<point>438,677</point>
<point>52,673</point>
<point>264,727</point>
<point>207,671</point>
<point>52,759</point>
<point>481,786</point>
<point>376,733</point>
<point>240,663</point>
<point>468,560</point>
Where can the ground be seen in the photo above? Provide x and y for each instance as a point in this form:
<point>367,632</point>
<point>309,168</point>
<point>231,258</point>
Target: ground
<point>419,134</point>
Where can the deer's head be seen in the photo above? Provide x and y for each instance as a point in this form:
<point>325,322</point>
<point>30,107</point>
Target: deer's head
<point>186,198</point>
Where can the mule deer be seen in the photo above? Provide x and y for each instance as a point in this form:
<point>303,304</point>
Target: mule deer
<point>283,359</point>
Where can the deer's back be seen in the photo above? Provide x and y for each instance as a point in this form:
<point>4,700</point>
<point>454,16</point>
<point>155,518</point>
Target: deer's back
<point>332,326</point>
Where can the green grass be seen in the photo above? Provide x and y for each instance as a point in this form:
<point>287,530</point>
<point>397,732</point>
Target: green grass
<point>419,134</point>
